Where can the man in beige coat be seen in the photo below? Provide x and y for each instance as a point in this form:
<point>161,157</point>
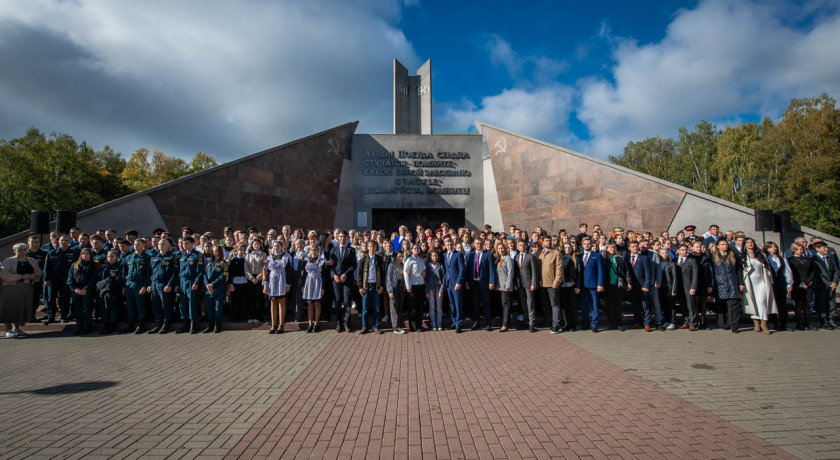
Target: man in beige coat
<point>551,275</point>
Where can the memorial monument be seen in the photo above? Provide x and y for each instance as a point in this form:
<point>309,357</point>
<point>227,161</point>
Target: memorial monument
<point>364,181</point>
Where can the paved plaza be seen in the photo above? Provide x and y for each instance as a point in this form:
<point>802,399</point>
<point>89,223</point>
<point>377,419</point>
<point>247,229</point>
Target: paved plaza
<point>248,394</point>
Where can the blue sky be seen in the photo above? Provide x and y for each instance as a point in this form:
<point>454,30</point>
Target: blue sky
<point>232,78</point>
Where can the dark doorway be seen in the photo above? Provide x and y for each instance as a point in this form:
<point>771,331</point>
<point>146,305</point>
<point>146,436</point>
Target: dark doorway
<point>390,219</point>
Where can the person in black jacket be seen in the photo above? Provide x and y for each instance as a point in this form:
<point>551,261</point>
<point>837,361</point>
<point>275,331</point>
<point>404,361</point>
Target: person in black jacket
<point>826,278</point>
<point>704,280</point>
<point>110,290</point>
<point>668,290</point>
<point>688,275</point>
<point>802,270</point>
<point>82,281</point>
<point>729,284</point>
<point>569,300</point>
<point>782,283</point>
<point>617,283</point>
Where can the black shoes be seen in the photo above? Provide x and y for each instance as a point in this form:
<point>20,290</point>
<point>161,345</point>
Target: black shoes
<point>139,329</point>
<point>474,326</point>
<point>164,328</point>
<point>154,330</point>
<point>594,330</point>
<point>458,330</point>
<point>185,327</point>
<point>339,328</point>
<point>193,328</point>
<point>532,329</point>
<point>217,327</point>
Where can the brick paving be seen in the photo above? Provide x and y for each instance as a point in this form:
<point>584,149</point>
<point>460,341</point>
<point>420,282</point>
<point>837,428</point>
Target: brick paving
<point>783,387</point>
<point>484,395</point>
<point>127,396</point>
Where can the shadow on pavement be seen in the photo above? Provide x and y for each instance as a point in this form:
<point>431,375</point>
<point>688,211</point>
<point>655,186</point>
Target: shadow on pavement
<point>66,388</point>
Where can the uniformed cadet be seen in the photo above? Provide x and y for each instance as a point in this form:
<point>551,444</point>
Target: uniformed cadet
<point>82,281</point>
<point>136,279</point>
<point>52,243</point>
<point>215,279</point>
<point>40,256</point>
<point>100,254</point>
<point>191,275</point>
<point>110,297</point>
<point>56,268</point>
<point>164,281</point>
<point>124,247</point>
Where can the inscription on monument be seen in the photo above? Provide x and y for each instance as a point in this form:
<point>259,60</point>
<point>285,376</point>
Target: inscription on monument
<point>411,169</point>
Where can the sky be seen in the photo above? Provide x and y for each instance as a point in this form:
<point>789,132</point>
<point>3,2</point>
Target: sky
<point>233,78</point>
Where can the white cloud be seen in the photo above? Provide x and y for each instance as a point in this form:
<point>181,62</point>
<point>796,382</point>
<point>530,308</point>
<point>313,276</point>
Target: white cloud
<point>542,113</point>
<point>220,77</point>
<point>719,62</point>
<point>716,61</point>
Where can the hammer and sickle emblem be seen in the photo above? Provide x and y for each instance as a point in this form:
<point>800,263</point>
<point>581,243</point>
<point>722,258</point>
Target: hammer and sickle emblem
<point>501,146</point>
<point>333,145</point>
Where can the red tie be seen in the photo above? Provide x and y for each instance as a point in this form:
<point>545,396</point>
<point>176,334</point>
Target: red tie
<point>634,260</point>
<point>521,259</point>
<point>585,258</point>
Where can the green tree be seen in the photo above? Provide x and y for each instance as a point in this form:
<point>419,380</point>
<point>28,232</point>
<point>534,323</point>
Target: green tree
<point>653,156</point>
<point>808,136</point>
<point>55,172</point>
<point>202,161</point>
<point>696,151</point>
<point>142,172</point>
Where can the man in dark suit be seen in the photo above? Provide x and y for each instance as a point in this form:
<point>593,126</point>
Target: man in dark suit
<point>527,279</point>
<point>590,282</point>
<point>481,279</point>
<point>825,283</point>
<point>712,236</point>
<point>641,279</point>
<point>342,269</point>
<point>688,277</point>
<point>453,281</point>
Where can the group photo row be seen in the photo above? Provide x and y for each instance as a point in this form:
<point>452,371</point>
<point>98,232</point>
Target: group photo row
<point>420,279</point>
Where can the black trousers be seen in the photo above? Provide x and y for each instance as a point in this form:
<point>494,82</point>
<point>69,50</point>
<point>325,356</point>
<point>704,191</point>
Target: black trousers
<point>416,303</point>
<point>614,301</point>
<point>570,304</point>
<point>343,298</point>
<point>254,301</point>
<point>822,306</point>
<point>780,296</point>
<point>238,306</point>
<point>733,308</point>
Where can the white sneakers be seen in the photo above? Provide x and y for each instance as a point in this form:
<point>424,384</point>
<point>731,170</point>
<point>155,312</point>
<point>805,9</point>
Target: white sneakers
<point>10,335</point>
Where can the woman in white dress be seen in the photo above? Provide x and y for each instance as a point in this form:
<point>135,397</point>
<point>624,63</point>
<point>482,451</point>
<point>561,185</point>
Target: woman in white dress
<point>313,285</point>
<point>758,296</point>
<point>276,284</point>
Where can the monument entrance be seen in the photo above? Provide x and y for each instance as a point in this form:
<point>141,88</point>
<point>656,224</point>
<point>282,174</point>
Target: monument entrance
<point>390,219</point>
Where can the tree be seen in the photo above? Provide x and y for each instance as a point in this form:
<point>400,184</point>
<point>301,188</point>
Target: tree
<point>792,164</point>
<point>141,172</point>
<point>55,172</point>
<point>202,161</point>
<point>696,151</point>
<point>808,135</point>
<point>653,156</point>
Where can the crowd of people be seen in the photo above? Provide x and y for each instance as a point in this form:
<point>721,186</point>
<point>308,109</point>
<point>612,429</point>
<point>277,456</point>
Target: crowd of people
<point>415,280</point>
